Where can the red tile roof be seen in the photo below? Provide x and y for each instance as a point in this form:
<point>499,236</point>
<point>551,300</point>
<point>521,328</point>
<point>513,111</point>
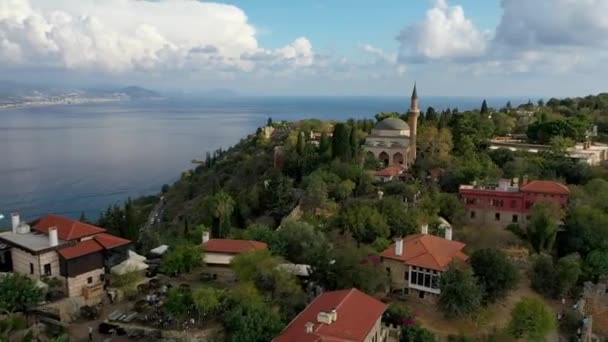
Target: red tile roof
<point>392,170</point>
<point>357,314</point>
<point>108,241</point>
<point>428,251</point>
<point>80,249</point>
<point>546,187</point>
<point>231,246</point>
<point>67,228</point>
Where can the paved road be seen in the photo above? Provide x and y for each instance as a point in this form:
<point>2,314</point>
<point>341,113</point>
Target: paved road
<point>154,217</point>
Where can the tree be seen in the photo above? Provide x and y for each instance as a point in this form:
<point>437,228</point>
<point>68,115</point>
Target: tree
<point>434,146</point>
<point>531,320</point>
<point>315,194</point>
<point>344,190</point>
<point>18,293</point>
<point>278,195</point>
<point>460,294</point>
<point>484,107</point>
<point>252,322</point>
<point>400,220</point>
<point>364,221</point>
<point>451,208</point>
<point>207,301</point>
<point>324,144</point>
<point>416,333</point>
<point>597,263</point>
<point>298,239</point>
<point>431,115</point>
<point>269,121</point>
<point>354,142</point>
<point>495,273</point>
<point>541,231</point>
<point>301,143</point>
<point>341,142</point>
<point>555,280</point>
<point>179,303</point>
<point>181,259</point>
<point>222,206</point>
<point>83,218</point>
<point>165,188</point>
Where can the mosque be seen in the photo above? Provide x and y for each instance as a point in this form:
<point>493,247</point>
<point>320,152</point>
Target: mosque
<point>393,141</point>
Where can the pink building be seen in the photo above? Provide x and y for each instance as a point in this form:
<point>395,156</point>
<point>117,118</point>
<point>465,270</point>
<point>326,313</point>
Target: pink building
<point>509,202</point>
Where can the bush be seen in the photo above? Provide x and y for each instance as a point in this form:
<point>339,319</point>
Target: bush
<point>89,313</point>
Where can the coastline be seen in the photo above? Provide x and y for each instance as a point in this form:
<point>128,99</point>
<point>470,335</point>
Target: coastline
<point>56,102</point>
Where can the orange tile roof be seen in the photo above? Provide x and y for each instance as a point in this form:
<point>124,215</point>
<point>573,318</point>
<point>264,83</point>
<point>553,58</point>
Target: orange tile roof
<point>428,251</point>
<point>357,314</point>
<point>392,170</point>
<point>547,187</point>
<point>80,249</point>
<point>67,228</point>
<point>231,246</point>
<point>108,241</point>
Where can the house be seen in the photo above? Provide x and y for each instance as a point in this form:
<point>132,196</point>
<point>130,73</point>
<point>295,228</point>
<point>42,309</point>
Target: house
<point>586,152</point>
<point>415,263</point>
<point>510,201</point>
<point>220,252</point>
<point>344,315</point>
<point>389,173</point>
<point>77,253</point>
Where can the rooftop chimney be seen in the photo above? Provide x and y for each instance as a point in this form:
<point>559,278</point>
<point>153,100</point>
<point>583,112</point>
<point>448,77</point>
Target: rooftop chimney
<point>334,315</point>
<point>503,184</point>
<point>448,233</point>
<point>15,220</point>
<point>524,180</point>
<point>205,236</point>
<point>309,326</point>
<point>380,194</point>
<point>324,317</point>
<point>399,246</point>
<point>53,238</point>
<point>424,229</point>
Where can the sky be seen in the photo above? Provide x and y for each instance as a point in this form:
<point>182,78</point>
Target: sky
<point>313,47</point>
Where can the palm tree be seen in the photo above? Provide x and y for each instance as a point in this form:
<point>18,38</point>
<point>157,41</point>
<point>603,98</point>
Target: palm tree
<point>222,209</point>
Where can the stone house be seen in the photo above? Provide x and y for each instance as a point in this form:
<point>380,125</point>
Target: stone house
<point>220,252</point>
<point>74,252</point>
<point>415,263</point>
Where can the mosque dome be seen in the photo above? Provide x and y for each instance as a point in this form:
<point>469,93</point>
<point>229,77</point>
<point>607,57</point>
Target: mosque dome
<point>392,124</point>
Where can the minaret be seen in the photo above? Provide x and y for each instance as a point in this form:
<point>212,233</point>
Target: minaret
<point>413,123</point>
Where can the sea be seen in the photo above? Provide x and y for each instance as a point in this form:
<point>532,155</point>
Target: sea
<point>70,159</point>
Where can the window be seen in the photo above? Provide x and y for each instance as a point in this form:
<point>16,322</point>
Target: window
<point>528,204</point>
<point>89,280</point>
<point>472,214</point>
<point>497,217</point>
<point>47,269</point>
<point>31,268</point>
<point>513,203</point>
<point>102,277</point>
<point>515,219</point>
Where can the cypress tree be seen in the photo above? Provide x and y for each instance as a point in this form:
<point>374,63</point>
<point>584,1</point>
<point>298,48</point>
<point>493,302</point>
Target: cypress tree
<point>323,143</point>
<point>354,142</point>
<point>341,142</point>
<point>484,107</point>
<point>301,144</point>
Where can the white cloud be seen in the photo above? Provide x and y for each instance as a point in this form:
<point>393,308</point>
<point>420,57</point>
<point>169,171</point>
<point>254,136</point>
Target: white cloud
<point>553,23</point>
<point>445,33</point>
<point>125,35</point>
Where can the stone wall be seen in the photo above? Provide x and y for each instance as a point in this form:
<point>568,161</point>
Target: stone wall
<point>76,284</point>
<point>22,259</point>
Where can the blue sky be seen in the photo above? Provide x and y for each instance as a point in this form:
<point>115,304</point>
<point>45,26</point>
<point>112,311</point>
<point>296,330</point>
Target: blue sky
<point>342,24</point>
<point>316,47</point>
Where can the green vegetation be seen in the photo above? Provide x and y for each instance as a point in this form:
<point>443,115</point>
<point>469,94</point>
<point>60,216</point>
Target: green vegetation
<point>18,293</point>
<point>531,320</point>
<point>314,201</point>
<point>495,273</point>
<point>460,294</point>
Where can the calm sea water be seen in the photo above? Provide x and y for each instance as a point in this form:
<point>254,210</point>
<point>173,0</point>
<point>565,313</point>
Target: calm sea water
<point>81,158</point>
